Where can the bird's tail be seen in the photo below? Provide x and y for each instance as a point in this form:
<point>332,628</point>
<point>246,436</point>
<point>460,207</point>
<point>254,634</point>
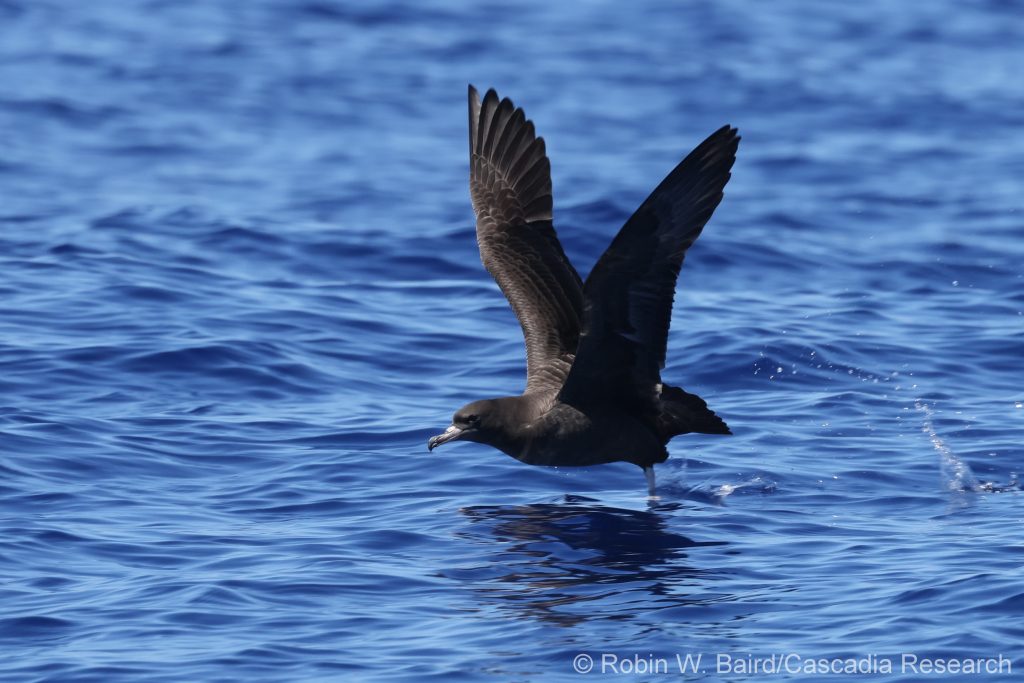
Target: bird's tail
<point>682,413</point>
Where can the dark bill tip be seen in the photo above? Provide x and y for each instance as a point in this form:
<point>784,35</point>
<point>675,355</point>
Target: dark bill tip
<point>450,434</point>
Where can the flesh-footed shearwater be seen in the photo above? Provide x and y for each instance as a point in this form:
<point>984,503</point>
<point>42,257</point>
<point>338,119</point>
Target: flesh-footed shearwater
<point>594,350</point>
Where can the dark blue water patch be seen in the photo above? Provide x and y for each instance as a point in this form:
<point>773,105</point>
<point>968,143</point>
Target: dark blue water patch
<point>34,628</point>
<point>58,109</point>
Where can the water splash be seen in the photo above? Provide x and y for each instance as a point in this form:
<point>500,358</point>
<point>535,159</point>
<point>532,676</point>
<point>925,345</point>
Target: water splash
<point>956,474</point>
<point>757,483</point>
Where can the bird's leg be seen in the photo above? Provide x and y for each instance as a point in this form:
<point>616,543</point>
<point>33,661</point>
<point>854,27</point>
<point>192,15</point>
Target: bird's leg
<point>649,473</point>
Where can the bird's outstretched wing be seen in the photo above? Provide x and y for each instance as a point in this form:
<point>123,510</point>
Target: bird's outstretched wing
<point>510,183</point>
<point>628,296</point>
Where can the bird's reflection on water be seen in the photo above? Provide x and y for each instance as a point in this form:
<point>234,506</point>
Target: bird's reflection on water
<point>551,559</point>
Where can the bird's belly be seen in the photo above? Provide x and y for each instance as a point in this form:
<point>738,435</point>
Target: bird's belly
<point>586,440</point>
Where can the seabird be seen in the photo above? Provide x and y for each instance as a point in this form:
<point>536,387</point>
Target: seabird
<point>594,350</point>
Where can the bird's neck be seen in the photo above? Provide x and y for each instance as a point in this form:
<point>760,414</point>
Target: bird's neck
<point>521,420</point>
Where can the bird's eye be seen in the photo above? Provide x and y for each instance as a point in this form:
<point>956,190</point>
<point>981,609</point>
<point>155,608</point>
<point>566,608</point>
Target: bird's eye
<point>473,419</point>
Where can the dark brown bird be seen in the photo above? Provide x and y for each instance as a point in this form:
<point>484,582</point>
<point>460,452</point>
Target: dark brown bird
<point>594,351</point>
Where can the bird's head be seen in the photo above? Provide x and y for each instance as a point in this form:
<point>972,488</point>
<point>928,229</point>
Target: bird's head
<point>476,421</point>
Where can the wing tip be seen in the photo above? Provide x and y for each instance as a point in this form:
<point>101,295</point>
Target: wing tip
<point>728,130</point>
<point>491,98</point>
<point>727,136</point>
<point>473,98</point>
<point>504,139</point>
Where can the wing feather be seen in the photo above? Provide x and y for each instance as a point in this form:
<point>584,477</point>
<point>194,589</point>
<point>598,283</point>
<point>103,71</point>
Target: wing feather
<point>510,184</point>
<point>628,296</point>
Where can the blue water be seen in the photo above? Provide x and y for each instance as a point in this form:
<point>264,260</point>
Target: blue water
<point>240,289</point>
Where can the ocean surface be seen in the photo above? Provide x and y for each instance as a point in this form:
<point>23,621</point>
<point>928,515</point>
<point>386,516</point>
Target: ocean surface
<point>239,289</point>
